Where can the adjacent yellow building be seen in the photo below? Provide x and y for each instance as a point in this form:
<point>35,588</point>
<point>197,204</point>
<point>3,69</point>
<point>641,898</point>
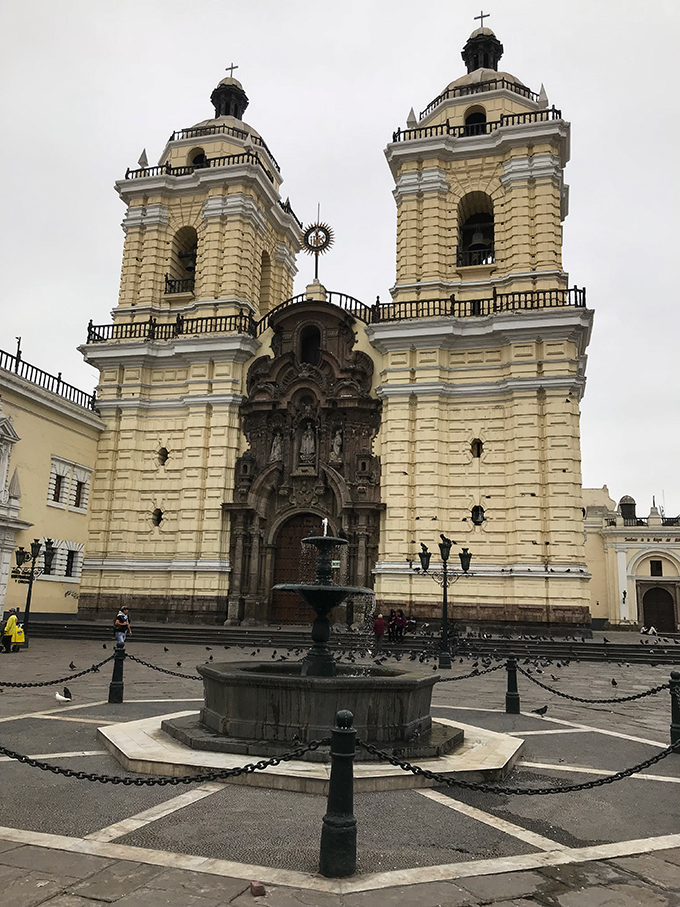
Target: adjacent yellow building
<point>48,442</point>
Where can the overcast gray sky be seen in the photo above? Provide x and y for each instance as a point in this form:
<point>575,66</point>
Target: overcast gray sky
<point>86,84</point>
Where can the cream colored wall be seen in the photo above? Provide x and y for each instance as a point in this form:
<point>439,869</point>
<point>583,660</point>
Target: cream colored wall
<point>47,426</point>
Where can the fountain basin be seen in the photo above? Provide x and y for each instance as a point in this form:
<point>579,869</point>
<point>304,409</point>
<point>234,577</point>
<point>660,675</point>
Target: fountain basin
<point>273,707</point>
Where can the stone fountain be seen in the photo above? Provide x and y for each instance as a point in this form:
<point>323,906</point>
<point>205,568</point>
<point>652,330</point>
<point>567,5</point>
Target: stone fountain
<point>261,709</point>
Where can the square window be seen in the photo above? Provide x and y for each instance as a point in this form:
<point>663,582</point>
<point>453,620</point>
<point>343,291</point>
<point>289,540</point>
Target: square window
<point>656,568</point>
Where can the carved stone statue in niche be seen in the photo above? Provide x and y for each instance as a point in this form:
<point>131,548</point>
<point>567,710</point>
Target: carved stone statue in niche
<point>336,448</point>
<point>277,448</point>
<point>308,446</point>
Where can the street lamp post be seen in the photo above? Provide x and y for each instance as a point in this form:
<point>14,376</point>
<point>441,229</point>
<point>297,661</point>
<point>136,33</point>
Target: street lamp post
<point>22,557</point>
<point>443,578</point>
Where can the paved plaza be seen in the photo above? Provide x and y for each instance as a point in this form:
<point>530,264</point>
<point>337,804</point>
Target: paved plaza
<point>66,842</point>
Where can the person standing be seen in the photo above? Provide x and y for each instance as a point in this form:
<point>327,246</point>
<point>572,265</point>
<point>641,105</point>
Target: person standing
<point>121,626</point>
<point>379,627</point>
<point>10,630</point>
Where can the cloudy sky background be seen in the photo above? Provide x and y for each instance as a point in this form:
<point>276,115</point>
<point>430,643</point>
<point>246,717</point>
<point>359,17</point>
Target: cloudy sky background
<point>86,84</point>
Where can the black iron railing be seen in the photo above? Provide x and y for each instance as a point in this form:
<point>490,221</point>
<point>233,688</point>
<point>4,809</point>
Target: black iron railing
<point>228,160</point>
<point>200,131</point>
<point>391,311</point>
<point>473,129</point>
<point>466,258</point>
<point>179,284</point>
<point>152,330</point>
<point>46,381</point>
<point>459,91</point>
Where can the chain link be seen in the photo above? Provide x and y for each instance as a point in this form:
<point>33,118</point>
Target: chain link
<point>161,781</point>
<point>652,692</point>
<point>528,791</point>
<point>475,673</point>
<point>162,670</point>
<point>49,683</point>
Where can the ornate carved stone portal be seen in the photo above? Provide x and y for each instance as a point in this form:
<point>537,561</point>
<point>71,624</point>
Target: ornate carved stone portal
<point>310,422</point>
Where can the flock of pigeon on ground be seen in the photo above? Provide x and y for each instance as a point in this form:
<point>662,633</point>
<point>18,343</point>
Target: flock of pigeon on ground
<point>350,655</point>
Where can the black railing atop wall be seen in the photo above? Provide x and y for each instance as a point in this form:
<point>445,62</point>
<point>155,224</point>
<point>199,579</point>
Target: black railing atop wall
<point>48,382</point>
<point>473,129</point>
<point>380,312</point>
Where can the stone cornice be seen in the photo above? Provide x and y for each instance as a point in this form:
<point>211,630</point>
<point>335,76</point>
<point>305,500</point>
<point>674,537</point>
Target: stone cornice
<point>59,406</point>
<point>431,181</point>
<point>444,288</point>
<point>501,329</point>
<point>240,206</point>
<point>182,401</point>
<point>182,350</point>
<point>146,216</point>
<point>157,565</point>
<point>466,390</point>
<point>493,144</point>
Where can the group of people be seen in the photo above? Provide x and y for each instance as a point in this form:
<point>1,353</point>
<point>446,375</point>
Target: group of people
<point>395,626</point>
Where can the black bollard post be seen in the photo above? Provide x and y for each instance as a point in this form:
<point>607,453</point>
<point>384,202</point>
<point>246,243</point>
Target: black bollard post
<point>675,707</point>
<point>116,685</point>
<point>338,854</point>
<point>512,696</point>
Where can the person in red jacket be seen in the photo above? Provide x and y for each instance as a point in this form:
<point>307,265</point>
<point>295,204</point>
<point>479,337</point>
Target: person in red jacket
<point>379,627</point>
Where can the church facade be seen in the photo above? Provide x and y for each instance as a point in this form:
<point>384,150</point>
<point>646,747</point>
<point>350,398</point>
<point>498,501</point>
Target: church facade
<point>237,417</point>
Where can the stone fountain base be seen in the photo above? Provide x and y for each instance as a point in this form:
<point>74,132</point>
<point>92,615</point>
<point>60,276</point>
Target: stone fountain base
<point>267,709</point>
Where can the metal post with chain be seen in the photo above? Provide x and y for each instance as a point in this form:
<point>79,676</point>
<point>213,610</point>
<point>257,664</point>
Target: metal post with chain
<point>338,853</point>
<point>512,703</point>
<point>116,685</point>
<point>674,686</point>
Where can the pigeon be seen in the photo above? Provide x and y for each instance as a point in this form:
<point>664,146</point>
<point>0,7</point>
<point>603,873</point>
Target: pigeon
<point>208,648</point>
<point>179,664</point>
<point>614,683</point>
<point>72,666</point>
<point>65,697</point>
<point>94,669</point>
<point>543,709</point>
<point>104,646</point>
<point>165,649</point>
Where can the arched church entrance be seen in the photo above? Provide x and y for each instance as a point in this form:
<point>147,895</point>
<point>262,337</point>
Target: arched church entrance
<point>288,607</point>
<point>658,609</point>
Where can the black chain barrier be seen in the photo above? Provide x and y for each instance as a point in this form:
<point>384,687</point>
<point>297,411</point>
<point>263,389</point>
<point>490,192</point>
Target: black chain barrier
<point>475,673</point>
<point>49,683</point>
<point>162,781</point>
<point>527,791</point>
<point>651,692</point>
<point>162,670</point>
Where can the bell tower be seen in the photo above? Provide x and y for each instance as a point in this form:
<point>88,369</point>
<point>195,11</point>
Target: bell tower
<point>484,353</point>
<point>209,249</point>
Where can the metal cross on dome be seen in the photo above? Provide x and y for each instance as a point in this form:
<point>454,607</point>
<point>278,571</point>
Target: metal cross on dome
<point>230,69</point>
<point>482,16</point>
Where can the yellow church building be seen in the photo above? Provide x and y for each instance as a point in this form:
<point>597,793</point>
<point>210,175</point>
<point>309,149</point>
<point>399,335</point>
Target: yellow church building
<point>233,417</point>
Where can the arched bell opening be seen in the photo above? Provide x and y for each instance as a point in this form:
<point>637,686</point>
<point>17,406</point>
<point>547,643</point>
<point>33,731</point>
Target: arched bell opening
<point>476,236</point>
<point>310,344</point>
<point>475,120</point>
<point>181,274</point>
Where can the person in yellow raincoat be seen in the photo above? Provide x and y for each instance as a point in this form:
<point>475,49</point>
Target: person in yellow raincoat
<point>10,631</point>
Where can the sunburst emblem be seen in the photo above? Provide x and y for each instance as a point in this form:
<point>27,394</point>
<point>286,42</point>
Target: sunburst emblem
<point>317,239</point>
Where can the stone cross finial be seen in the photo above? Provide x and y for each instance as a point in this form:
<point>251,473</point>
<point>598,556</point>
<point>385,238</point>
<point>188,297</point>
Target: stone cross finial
<point>230,69</point>
<point>482,16</point>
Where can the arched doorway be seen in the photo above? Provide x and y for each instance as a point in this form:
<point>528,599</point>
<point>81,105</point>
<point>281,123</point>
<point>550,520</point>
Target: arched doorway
<point>658,609</point>
<point>288,607</point>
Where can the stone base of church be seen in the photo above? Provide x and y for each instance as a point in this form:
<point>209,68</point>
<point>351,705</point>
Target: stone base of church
<point>181,609</point>
<point>553,615</point>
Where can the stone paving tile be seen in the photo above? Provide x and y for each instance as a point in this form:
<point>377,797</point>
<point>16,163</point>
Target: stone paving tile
<point>117,880</point>
<point>670,856</point>
<point>198,883</point>
<point>8,845</point>
<point>60,862</point>
<point>70,900</point>
<point>580,875</point>
<point>505,885</point>
<point>428,894</point>
<point>631,895</point>
<point>31,889</point>
<point>652,869</point>
<point>288,897</point>
<point>148,897</point>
